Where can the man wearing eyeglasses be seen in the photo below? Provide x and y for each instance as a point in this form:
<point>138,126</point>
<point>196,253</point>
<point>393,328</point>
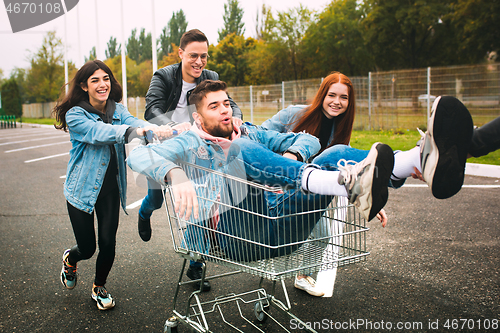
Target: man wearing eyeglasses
<point>167,104</point>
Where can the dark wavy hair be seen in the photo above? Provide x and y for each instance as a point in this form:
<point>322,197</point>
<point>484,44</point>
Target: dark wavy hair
<point>203,89</point>
<point>310,120</point>
<point>76,94</point>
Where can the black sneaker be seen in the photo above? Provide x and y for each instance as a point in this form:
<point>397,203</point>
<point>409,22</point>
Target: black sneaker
<point>194,273</point>
<point>445,145</point>
<point>68,272</point>
<point>144,226</point>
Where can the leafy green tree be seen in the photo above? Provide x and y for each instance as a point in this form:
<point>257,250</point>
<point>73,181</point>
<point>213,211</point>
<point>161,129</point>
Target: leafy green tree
<point>19,75</point>
<point>263,22</point>
<point>284,38</point>
<point>138,75</point>
<point>408,34</point>
<point>172,34</point>
<point>146,49</point>
<point>233,20</point>
<point>336,42</point>
<point>230,59</point>
<point>114,48</point>
<point>11,98</point>
<point>92,55</point>
<point>477,29</point>
<point>139,48</point>
<point>46,76</point>
<point>133,46</point>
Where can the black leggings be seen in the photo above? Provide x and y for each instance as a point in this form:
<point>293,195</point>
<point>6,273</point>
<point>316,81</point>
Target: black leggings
<point>107,209</point>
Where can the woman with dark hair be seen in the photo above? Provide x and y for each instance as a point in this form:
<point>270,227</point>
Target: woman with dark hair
<point>96,175</point>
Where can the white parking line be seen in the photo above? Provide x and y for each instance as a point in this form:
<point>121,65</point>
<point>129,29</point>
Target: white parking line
<point>45,158</point>
<point>135,204</point>
<point>463,186</point>
<point>38,139</point>
<point>26,135</point>
<point>34,147</point>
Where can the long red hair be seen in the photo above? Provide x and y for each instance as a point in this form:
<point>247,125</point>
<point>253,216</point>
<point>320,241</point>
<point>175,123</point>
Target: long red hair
<point>310,120</point>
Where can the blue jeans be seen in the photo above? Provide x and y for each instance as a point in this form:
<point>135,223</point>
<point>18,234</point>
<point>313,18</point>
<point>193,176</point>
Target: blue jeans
<point>152,201</point>
<point>275,226</point>
<point>265,224</point>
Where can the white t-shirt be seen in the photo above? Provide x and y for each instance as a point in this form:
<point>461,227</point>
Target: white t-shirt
<point>181,112</point>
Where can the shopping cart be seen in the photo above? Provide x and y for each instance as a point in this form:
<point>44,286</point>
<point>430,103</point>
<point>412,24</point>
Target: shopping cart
<point>268,232</point>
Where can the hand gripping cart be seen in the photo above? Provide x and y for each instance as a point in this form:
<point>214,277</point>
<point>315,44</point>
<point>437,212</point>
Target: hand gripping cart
<point>268,232</point>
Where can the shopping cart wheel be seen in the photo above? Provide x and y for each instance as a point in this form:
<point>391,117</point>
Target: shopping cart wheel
<point>171,325</point>
<point>259,309</point>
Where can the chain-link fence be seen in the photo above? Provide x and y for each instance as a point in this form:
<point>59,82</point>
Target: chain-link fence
<point>387,100</point>
<point>384,100</point>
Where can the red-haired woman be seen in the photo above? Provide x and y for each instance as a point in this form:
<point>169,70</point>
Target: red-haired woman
<point>440,162</point>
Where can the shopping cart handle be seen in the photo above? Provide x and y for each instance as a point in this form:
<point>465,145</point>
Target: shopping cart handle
<point>150,135</point>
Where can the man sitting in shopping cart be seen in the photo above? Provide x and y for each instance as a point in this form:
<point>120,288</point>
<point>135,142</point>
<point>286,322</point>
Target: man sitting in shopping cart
<point>257,155</point>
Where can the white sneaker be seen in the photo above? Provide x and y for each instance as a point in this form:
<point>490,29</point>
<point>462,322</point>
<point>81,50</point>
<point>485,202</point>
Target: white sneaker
<point>366,182</point>
<point>308,284</point>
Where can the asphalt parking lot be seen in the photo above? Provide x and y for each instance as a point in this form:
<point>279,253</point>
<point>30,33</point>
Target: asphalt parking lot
<point>434,268</point>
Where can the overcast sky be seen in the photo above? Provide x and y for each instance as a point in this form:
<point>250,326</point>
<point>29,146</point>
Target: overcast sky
<point>205,15</point>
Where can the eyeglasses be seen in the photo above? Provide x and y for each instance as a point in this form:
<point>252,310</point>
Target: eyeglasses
<point>194,56</point>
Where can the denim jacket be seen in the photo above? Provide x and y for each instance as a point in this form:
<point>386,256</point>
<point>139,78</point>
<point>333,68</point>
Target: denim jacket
<point>285,120</point>
<point>156,160</point>
<point>90,154</point>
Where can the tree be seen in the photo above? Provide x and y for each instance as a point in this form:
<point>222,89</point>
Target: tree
<point>408,34</point>
<point>133,46</point>
<point>477,29</point>
<point>230,59</point>
<point>171,58</point>
<point>282,51</point>
<point>92,55</point>
<point>336,41</point>
<point>173,33</point>
<point>146,49</point>
<point>138,75</point>
<point>233,20</point>
<point>113,48</point>
<point>11,98</point>
<point>139,48</point>
<point>46,75</point>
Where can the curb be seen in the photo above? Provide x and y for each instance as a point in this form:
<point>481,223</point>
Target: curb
<point>31,125</point>
<point>483,170</point>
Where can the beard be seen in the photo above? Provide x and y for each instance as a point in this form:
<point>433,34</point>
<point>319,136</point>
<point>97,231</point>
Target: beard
<point>219,130</point>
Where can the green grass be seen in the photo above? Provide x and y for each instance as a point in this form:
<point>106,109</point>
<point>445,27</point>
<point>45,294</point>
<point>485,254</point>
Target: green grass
<point>42,121</point>
<point>404,140</point>
<point>397,139</point>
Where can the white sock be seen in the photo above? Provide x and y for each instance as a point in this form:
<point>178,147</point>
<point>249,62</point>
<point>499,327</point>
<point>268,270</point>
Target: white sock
<point>404,162</point>
<point>322,182</point>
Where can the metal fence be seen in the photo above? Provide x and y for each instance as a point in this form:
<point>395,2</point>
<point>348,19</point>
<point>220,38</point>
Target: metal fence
<point>384,100</point>
<point>387,100</point>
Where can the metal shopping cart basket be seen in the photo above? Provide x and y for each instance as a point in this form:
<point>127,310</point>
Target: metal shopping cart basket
<point>265,231</point>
